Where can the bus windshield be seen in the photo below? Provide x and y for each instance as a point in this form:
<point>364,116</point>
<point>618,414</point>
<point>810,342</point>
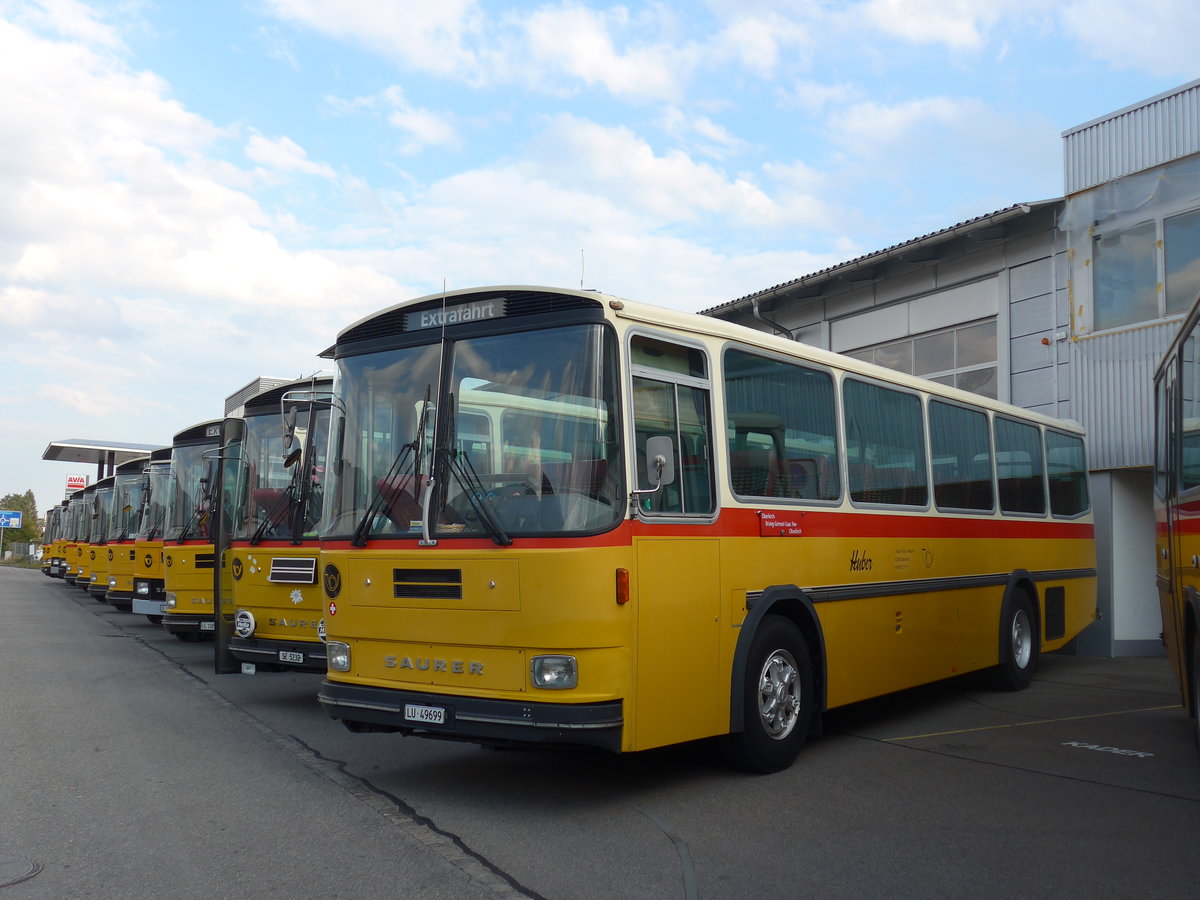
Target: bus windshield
<point>155,492</point>
<point>187,510</point>
<point>521,439</point>
<point>127,507</point>
<point>269,493</point>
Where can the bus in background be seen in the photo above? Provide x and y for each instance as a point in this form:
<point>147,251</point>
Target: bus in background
<point>187,608</point>
<point>148,593</point>
<point>87,535</point>
<point>662,527</point>
<point>275,469</point>
<point>123,525</point>
<point>56,525</point>
<point>48,530</point>
<point>98,556</point>
<point>72,534</point>
<point>1177,508</point>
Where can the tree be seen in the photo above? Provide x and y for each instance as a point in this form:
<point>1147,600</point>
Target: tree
<point>29,532</point>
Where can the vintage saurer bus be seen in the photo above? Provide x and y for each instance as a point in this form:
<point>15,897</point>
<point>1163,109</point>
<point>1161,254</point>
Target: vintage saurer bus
<point>560,516</point>
<point>102,504</point>
<point>56,530</point>
<point>123,524</point>
<point>85,539</point>
<point>74,532</point>
<point>187,608</point>
<point>148,592</point>
<point>1177,508</point>
<point>274,458</point>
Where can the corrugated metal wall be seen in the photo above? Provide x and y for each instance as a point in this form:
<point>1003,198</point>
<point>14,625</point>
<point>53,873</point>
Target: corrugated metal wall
<point>1112,381</point>
<point>1130,140</point>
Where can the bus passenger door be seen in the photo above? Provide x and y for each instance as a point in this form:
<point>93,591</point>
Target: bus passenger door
<point>679,694</point>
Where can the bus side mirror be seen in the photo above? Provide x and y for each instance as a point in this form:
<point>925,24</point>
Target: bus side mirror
<point>660,460</point>
<point>289,427</point>
<point>291,457</point>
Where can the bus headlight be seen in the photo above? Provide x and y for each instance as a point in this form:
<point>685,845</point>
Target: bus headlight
<point>112,581</point>
<point>141,588</point>
<point>338,655</point>
<point>243,623</point>
<point>170,601</point>
<point>554,673</point>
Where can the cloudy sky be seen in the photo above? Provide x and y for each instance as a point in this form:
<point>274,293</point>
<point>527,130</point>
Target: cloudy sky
<point>196,194</point>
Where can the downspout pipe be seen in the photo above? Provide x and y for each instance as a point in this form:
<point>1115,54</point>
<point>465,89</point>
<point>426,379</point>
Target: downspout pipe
<point>757,313</point>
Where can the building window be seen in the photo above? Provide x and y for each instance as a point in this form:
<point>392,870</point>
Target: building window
<point>962,357</point>
<point>1125,276</point>
<point>1181,261</point>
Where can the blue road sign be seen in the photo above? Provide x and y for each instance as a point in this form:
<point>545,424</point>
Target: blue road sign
<point>10,518</point>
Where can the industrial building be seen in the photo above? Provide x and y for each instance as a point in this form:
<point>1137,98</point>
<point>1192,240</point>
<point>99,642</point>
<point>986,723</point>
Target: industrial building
<point>1063,306</point>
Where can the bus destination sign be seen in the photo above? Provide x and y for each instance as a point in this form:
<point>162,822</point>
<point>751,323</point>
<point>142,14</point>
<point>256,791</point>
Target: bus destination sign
<point>778,524</point>
<point>478,311</point>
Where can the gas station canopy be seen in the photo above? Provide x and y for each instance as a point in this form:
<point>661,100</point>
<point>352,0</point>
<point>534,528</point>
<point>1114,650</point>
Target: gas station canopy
<point>105,454</point>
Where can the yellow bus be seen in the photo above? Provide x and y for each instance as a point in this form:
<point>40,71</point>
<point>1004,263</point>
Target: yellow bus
<point>86,537</point>
<point>1177,508</point>
<point>148,592</point>
<point>56,529</point>
<point>559,516</point>
<point>98,552</point>
<point>123,524</point>
<point>72,533</point>
<point>275,467</point>
<point>187,608</point>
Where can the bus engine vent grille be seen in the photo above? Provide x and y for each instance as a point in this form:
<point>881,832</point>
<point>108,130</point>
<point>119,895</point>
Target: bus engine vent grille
<point>205,560</point>
<point>293,570</point>
<point>427,584</point>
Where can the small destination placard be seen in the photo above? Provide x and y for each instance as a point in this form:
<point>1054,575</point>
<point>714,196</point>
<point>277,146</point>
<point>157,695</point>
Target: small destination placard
<point>778,524</point>
<point>458,314</point>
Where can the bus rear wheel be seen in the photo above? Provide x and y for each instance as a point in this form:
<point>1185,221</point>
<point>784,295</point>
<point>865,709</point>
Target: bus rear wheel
<point>777,698</point>
<point>1018,644</point>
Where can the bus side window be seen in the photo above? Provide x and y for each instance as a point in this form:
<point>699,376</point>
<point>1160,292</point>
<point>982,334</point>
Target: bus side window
<point>1019,468</point>
<point>781,428</point>
<point>680,413</point>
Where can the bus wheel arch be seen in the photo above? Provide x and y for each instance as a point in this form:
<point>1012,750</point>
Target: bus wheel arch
<point>781,634</point>
<point>1020,634</point>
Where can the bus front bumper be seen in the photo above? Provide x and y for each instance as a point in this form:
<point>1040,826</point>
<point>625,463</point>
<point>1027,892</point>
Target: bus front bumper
<point>472,718</point>
<point>305,656</point>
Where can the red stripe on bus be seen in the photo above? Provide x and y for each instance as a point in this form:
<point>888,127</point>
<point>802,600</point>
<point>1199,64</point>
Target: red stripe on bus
<point>812,523</point>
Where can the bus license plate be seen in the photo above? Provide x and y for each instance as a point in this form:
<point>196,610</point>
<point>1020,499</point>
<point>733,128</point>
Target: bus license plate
<point>290,656</point>
<point>208,626</point>
<point>430,715</point>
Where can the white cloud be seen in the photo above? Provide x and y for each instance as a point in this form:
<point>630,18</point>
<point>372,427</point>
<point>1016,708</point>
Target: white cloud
<point>959,24</point>
<point>758,42</point>
<point>285,155</point>
<point>424,128</point>
<point>578,41</point>
<point>1159,37</point>
<point>432,37</point>
<point>701,134</point>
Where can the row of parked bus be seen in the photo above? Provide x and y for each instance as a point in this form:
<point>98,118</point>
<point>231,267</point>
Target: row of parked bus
<point>533,515</point>
<point>144,538</point>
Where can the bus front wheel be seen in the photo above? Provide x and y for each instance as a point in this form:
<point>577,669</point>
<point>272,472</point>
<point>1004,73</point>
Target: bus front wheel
<point>777,698</point>
<point>1018,644</point>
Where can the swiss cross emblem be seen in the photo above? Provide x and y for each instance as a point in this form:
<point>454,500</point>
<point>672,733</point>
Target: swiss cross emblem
<point>333,609</point>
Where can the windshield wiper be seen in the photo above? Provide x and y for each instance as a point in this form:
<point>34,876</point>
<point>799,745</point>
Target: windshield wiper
<point>464,473</point>
<point>281,503</point>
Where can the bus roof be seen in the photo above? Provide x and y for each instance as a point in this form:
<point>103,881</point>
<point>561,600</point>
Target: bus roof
<point>663,317</point>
